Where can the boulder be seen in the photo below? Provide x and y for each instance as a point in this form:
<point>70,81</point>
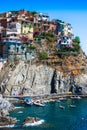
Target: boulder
<point>30,120</point>
<point>4,121</point>
<point>5,104</point>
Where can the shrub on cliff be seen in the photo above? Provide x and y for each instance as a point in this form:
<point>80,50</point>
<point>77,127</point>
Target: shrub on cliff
<point>43,55</point>
<point>76,44</point>
<point>32,47</point>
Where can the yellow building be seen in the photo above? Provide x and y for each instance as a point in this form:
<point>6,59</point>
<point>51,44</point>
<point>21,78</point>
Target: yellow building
<point>27,28</point>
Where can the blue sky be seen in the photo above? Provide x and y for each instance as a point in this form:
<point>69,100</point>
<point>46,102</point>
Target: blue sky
<point>72,11</point>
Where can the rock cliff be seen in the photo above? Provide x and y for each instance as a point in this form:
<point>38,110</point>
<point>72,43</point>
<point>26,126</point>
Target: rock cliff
<point>38,80</point>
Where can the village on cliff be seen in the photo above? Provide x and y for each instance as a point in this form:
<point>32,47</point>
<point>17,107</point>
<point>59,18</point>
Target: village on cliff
<point>23,30</point>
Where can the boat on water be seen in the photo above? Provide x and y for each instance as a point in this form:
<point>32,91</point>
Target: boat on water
<point>75,97</point>
<point>38,103</point>
<point>62,107</point>
<point>58,101</point>
<point>78,97</point>
<point>62,99</point>
<point>51,100</point>
<point>73,106</point>
<point>28,101</point>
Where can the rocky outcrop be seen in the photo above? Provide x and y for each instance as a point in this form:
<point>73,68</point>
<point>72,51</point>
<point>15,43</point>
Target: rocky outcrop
<point>38,80</point>
<point>5,104</point>
<point>5,107</point>
<point>7,121</point>
<point>30,120</point>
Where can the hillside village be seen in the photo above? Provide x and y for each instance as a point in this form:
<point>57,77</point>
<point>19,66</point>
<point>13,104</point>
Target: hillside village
<point>32,36</point>
<point>40,55</point>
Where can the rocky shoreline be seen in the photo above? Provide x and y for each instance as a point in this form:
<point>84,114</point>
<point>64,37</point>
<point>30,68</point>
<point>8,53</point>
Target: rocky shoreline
<point>40,82</point>
<point>5,108</point>
<point>6,120</point>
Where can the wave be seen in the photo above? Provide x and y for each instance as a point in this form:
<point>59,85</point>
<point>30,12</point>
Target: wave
<point>18,107</point>
<point>35,123</point>
<point>20,112</point>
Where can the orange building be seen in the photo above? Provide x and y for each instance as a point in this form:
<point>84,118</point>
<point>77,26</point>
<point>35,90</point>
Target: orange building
<point>52,27</point>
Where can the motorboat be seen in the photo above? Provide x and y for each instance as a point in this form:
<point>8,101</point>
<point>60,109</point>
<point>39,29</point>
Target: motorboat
<point>62,107</point>
<point>28,101</point>
<point>73,106</point>
<point>58,100</point>
<point>38,103</point>
<point>75,97</point>
<point>62,99</point>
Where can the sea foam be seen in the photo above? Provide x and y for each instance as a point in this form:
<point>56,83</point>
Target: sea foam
<point>18,107</point>
<point>7,126</point>
<point>20,112</point>
<point>35,123</point>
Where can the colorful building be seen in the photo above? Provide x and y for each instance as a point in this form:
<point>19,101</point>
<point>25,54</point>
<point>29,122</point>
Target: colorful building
<point>27,28</point>
<point>52,27</point>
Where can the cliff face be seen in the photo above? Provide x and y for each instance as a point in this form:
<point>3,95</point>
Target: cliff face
<point>30,80</point>
<point>38,80</point>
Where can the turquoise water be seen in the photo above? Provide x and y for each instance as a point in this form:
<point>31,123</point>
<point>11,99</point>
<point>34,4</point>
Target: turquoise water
<point>54,117</point>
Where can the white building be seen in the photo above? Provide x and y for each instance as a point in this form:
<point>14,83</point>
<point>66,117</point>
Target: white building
<point>41,16</point>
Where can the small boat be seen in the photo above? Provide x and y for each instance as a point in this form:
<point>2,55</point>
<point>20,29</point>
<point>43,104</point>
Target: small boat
<point>62,107</point>
<point>29,103</point>
<point>38,103</point>
<point>62,99</point>
<point>75,97</point>
<point>73,106</point>
<point>78,97</point>
<point>58,100</point>
<point>51,100</point>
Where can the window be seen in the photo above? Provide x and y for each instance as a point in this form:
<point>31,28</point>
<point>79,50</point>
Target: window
<point>9,48</point>
<point>17,49</point>
<point>25,26</point>
<point>24,32</point>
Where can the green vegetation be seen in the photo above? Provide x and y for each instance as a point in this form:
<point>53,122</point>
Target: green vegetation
<point>14,11</point>
<point>76,40</point>
<point>39,37</point>
<point>66,49</point>
<point>74,49</point>
<point>48,34</point>
<point>32,47</point>
<point>43,55</point>
<point>76,44</point>
<point>50,37</point>
<point>34,12</point>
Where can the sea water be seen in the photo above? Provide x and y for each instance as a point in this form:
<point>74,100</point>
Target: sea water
<point>52,116</point>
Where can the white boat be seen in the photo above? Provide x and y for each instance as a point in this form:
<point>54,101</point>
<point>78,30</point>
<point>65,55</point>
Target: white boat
<point>78,97</point>
<point>75,97</point>
<point>62,99</point>
<point>58,101</point>
<point>73,106</point>
<point>37,103</point>
<point>29,103</point>
<point>62,107</point>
